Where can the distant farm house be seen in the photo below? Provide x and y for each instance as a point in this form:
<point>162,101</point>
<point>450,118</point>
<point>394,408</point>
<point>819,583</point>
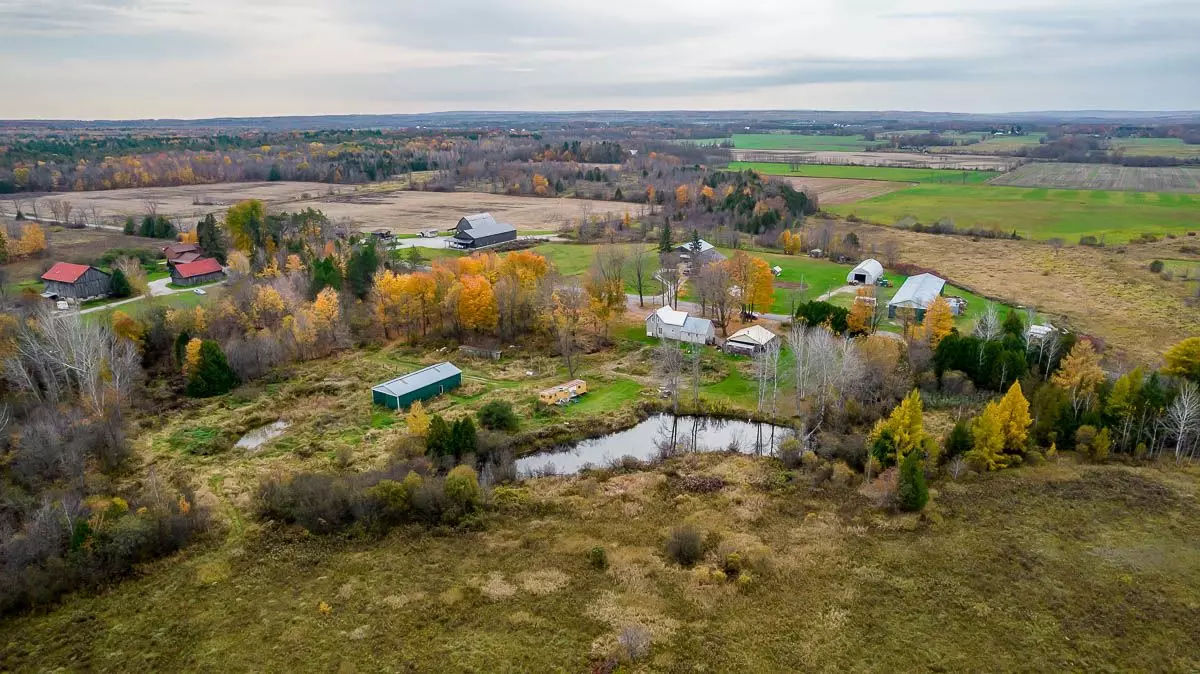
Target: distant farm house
<point>481,230</point>
<point>667,323</point>
<point>75,282</point>
<point>204,270</point>
<point>706,254</point>
<point>403,391</point>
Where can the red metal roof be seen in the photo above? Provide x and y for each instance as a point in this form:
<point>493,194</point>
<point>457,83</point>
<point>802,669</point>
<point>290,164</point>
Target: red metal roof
<point>65,272</point>
<point>205,265</point>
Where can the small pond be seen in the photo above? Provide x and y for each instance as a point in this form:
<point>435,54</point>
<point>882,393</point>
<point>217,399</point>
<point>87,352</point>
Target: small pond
<point>649,439</point>
<point>257,437</point>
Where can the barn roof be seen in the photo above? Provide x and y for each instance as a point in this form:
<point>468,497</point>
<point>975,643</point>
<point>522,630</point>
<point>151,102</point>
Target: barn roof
<point>687,247</point>
<point>868,266</point>
<point>205,265</point>
<point>482,225</point>
<point>918,291</point>
<point>670,316</point>
<point>755,334</point>
<point>180,248</point>
<point>477,219</point>
<point>65,272</point>
<point>414,380</point>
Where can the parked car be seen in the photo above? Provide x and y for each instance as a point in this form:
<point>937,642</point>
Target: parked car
<point>199,291</point>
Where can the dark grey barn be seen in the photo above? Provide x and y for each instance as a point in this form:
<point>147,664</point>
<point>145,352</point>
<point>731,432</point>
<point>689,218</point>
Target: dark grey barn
<point>481,229</point>
<point>77,282</point>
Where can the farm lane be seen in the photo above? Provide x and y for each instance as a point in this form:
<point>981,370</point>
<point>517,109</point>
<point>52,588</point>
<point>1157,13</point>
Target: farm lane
<point>156,288</point>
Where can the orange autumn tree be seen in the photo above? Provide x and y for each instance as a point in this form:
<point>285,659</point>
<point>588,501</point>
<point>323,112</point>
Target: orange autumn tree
<point>862,312</point>
<point>682,195</point>
<point>476,308</point>
<point>753,277</point>
<point>939,321</point>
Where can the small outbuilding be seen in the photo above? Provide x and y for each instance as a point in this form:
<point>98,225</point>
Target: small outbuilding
<point>403,391</point>
<point>563,393</point>
<point>75,282</point>
<point>481,230</point>
<point>704,255</point>
<point>917,293</point>
<point>204,270</point>
<point>867,273</point>
<point>667,323</point>
<point>751,340</point>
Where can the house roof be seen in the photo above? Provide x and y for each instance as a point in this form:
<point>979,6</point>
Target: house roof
<point>918,291</point>
<point>670,316</point>
<point>869,266</point>
<point>205,265</point>
<point>184,258</point>
<point>755,334</point>
<point>697,325</point>
<point>481,225</point>
<point>65,272</point>
<point>414,380</point>
<point>687,247</point>
<point>180,248</point>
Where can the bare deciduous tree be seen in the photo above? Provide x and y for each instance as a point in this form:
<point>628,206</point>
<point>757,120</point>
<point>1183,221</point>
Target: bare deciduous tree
<point>1182,421</point>
<point>988,327</point>
<point>641,272</point>
<point>714,284</point>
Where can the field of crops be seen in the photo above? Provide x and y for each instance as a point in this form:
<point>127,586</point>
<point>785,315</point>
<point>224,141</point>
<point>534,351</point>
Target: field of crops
<point>791,141</point>
<point>994,145</point>
<point>911,175</point>
<point>1103,177</point>
<point>1036,213</point>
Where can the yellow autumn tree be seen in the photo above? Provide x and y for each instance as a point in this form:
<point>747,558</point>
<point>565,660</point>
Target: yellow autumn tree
<point>541,186</point>
<point>682,195</point>
<point>294,264</point>
<point>191,236</point>
<point>417,420</point>
<point>127,327</point>
<point>707,195</point>
<point>1183,359</point>
<point>476,308</point>
<point>327,308</point>
<point>987,436</point>
<point>902,432</point>
<point>388,298</point>
<point>32,241</point>
<point>1014,419</point>
<point>191,359</point>
<point>939,321</point>
<point>1079,375</point>
<point>266,309</point>
<point>199,322</point>
<point>245,221</point>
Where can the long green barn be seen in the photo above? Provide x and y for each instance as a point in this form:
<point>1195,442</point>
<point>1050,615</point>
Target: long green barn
<point>423,384</point>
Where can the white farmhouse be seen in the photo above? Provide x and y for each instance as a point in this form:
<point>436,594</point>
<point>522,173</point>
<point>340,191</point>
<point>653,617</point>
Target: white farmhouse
<point>667,323</point>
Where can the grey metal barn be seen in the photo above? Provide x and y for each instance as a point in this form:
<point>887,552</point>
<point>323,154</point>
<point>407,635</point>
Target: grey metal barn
<point>481,229</point>
<point>76,282</point>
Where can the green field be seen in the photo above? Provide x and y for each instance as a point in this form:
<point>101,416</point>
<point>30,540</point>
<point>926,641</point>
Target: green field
<point>1036,213</point>
<point>910,175</point>
<point>791,141</point>
<point>1155,147</point>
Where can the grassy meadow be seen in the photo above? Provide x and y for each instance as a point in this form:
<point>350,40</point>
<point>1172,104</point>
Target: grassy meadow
<point>1062,567</point>
<point>1155,147</point>
<point>911,175</point>
<point>795,141</point>
<point>1036,213</point>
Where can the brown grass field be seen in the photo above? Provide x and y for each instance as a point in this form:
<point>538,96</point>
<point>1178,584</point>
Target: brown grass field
<point>890,159</point>
<point>73,245</point>
<point>1103,177</point>
<point>833,191</point>
<point>380,205</point>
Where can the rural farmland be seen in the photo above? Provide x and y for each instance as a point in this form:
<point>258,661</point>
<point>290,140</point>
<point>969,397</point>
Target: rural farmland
<point>1103,177</point>
<point>886,173</point>
<point>883,159</point>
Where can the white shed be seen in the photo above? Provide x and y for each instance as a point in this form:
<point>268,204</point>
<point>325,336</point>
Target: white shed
<point>868,272</point>
<point>667,323</point>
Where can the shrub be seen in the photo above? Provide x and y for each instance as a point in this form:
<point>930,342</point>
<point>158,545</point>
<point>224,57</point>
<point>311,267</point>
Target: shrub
<point>959,440</point>
<point>685,546</point>
<point>212,375</point>
<point>1157,266</point>
<point>119,284</point>
<point>912,493</point>
<point>598,558</point>
<point>498,415</point>
<point>462,489</point>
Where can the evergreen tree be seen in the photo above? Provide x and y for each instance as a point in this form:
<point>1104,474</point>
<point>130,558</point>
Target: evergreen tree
<point>360,270</point>
<point>1014,326</point>
<point>438,440</point>
<point>462,437</point>
<point>558,186</point>
<point>913,494</point>
<point>618,195</point>
<point>274,175</point>
<point>212,375</point>
<point>130,225</point>
<point>414,258</point>
<point>325,274</point>
<point>119,284</point>
<point>664,242</point>
<point>210,238</point>
<point>959,440</point>
<point>180,349</point>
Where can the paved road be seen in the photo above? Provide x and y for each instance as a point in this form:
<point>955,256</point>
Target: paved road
<point>653,302</point>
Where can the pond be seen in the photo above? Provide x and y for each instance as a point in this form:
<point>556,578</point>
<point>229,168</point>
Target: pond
<point>257,437</point>
<point>651,440</point>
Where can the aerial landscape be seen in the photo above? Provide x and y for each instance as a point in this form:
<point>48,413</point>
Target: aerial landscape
<point>386,353</point>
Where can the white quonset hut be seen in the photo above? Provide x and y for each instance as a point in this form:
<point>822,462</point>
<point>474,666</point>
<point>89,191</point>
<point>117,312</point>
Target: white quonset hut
<point>667,323</point>
<point>751,340</point>
<point>917,293</point>
<point>867,273</point>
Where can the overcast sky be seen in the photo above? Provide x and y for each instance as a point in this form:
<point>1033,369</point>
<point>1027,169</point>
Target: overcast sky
<point>106,59</point>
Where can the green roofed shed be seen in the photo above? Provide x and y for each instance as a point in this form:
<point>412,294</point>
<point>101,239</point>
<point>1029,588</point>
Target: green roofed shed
<point>423,384</point>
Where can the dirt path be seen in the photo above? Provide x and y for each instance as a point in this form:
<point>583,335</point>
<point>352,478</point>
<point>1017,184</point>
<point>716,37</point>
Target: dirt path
<point>836,291</point>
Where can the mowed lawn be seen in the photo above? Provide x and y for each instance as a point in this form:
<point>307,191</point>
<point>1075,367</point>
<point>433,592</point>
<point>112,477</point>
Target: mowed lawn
<point>1036,213</point>
<point>910,175</point>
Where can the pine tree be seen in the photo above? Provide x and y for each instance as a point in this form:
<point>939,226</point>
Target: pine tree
<point>210,238</point>
<point>462,437</point>
<point>664,242</point>
<point>119,284</point>
<point>438,439</point>
<point>913,493</point>
<point>130,225</point>
<point>212,375</point>
<point>414,258</point>
<point>274,175</point>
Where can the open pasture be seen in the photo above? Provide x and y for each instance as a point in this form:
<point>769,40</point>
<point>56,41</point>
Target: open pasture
<point>993,145</point>
<point>883,173</point>
<point>833,191</point>
<point>1103,177</point>
<point>1036,213</point>
<point>795,141</point>
<point>912,160</point>
<point>1154,147</point>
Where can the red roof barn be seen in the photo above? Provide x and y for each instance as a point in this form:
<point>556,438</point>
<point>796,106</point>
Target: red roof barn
<point>75,282</point>
<point>204,270</point>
